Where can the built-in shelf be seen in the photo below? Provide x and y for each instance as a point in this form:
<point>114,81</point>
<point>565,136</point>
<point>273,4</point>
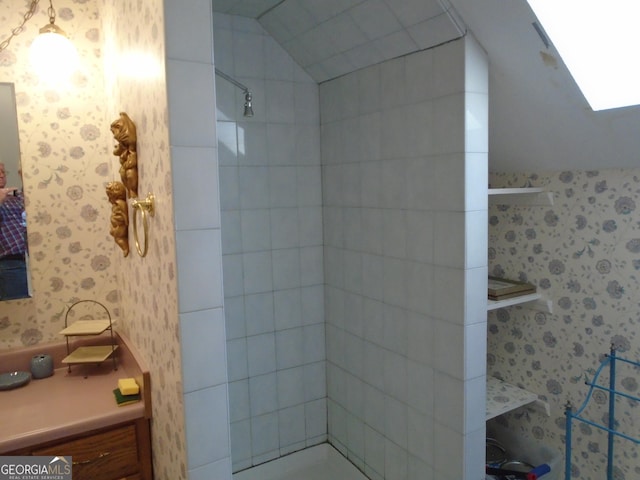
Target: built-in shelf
<point>534,301</point>
<point>520,196</point>
<point>503,397</point>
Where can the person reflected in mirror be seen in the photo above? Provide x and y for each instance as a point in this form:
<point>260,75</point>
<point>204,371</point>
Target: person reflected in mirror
<point>13,233</point>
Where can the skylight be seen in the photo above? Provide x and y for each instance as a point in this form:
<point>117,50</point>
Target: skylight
<point>599,42</point>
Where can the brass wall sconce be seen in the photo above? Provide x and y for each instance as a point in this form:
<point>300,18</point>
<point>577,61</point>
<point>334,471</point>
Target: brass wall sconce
<point>146,208</point>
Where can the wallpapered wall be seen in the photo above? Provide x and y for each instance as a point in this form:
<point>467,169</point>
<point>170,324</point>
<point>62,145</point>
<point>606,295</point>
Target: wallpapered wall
<point>134,53</point>
<point>66,158</point>
<point>584,254</point>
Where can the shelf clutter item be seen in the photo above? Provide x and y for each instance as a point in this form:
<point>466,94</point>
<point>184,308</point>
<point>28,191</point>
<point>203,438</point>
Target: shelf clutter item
<point>525,457</point>
<point>123,400</point>
<point>128,386</point>
<point>611,425</point>
<point>127,392</point>
<point>502,288</point>
<point>89,327</point>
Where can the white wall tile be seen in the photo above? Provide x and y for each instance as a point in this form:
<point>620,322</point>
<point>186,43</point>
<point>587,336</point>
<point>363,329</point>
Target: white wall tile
<point>264,434</point>
<point>219,469</point>
<point>286,235</point>
<point>202,336</point>
<point>254,187</point>
<point>196,200</point>
<point>315,381</point>
<point>448,131</point>
<point>312,305</point>
<point>290,387</point>
<point>207,435</point>
<point>421,389</point>
<point>288,309</point>
<point>449,248</point>
<point>191,117</point>
<point>249,55</point>
<point>283,189</point>
<point>476,181</point>
<point>259,313</point>
<point>253,145</point>
<point>231,232</point>
<point>261,354</point>
<point>239,409</point>
<point>374,455</point>
<point>234,318</point>
<point>237,359</point>
<point>434,31</point>
<point>255,226</point>
<point>233,275</point>
<point>477,122</point>
<point>291,425</point>
<point>311,268</point>
<point>199,256</point>
<point>421,437</point>
<point>289,348</point>
<point>263,394</point>
<point>227,143</point>
<point>313,343</point>
<point>448,345</point>
<point>188,31</point>
<point>316,417</point>
<point>286,268</point>
<point>229,188</point>
<point>241,444</point>
<point>257,272</point>
<point>410,12</point>
<point>278,63</point>
<point>279,101</point>
<point>375,19</point>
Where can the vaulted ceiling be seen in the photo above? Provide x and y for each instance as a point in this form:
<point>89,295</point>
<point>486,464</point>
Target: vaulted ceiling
<point>538,119</point>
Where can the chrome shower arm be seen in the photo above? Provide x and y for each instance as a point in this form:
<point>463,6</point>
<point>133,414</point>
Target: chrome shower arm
<point>242,87</point>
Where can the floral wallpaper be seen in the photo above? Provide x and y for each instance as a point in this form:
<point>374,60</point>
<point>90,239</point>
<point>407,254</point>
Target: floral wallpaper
<point>66,160</point>
<point>148,286</point>
<point>583,253</point>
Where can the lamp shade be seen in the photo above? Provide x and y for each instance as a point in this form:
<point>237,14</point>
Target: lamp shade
<point>52,54</point>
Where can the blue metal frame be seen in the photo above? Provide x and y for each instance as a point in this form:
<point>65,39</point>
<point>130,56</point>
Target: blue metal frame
<point>610,360</point>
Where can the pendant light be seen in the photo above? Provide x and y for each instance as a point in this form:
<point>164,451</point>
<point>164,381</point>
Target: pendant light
<point>52,54</point>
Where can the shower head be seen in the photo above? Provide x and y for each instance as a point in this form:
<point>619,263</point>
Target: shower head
<point>248,108</point>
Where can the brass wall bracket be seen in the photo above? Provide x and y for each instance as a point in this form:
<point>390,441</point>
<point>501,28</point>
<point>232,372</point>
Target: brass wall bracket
<point>146,208</point>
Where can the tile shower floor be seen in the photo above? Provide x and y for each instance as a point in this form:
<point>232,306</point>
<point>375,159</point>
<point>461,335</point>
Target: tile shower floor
<point>321,462</point>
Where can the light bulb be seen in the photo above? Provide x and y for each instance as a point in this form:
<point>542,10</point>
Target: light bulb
<point>52,54</point>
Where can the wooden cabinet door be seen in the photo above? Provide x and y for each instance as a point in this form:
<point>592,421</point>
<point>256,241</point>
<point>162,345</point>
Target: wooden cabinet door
<point>109,455</point>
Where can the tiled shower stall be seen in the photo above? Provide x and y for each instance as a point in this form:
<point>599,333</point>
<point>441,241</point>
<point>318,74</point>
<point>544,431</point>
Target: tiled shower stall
<point>354,238</point>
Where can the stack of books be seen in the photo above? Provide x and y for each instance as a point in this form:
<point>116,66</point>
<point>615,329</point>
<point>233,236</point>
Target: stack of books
<point>501,288</point>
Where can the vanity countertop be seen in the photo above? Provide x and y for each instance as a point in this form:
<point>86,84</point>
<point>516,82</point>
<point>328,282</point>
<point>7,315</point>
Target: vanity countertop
<point>68,403</point>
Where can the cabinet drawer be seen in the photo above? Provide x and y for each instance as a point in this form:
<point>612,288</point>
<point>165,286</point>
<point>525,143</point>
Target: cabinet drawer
<point>108,455</point>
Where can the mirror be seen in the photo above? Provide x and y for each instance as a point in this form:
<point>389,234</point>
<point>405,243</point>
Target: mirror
<point>14,272</point>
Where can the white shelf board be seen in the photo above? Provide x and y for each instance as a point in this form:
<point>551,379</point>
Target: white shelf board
<point>520,196</point>
<point>502,397</point>
<point>508,302</point>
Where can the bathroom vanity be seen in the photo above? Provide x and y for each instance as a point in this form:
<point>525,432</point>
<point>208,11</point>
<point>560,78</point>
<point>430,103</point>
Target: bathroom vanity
<point>74,413</point>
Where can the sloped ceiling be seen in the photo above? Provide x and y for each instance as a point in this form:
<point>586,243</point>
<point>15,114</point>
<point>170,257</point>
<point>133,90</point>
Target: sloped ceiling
<point>538,119</point>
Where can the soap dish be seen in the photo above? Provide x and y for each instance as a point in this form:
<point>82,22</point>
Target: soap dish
<point>12,380</point>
